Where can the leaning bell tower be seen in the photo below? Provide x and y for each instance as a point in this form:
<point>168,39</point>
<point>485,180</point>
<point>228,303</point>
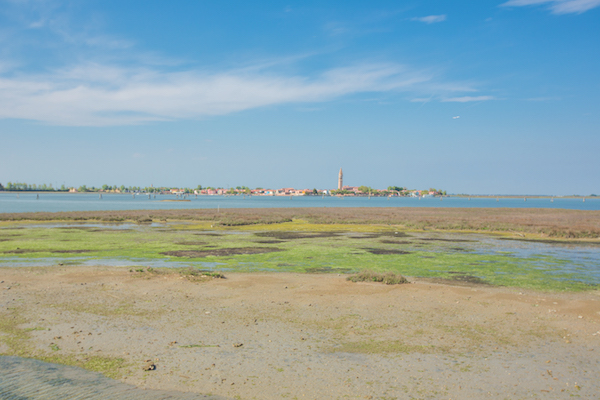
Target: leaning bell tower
<point>340,180</point>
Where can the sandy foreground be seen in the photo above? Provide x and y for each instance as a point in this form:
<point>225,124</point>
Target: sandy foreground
<point>280,335</point>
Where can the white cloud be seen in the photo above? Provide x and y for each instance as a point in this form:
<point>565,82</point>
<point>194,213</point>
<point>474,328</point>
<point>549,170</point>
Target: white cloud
<point>430,19</point>
<point>96,95</point>
<point>557,6</point>
<point>467,99</point>
<point>457,117</point>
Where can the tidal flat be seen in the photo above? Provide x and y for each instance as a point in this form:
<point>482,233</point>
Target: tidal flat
<point>298,335</point>
<point>263,309</point>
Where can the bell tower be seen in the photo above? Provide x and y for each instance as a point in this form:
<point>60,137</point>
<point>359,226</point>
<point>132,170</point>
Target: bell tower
<point>340,180</point>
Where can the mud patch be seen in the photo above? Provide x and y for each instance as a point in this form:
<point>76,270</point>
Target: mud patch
<point>285,235</point>
<point>4,240</point>
<point>191,243</point>
<point>395,242</point>
<point>231,251</point>
<point>70,251</point>
<point>386,251</point>
<point>448,240</point>
<point>206,234</point>
<point>24,251</point>
<point>459,278</point>
<point>270,241</point>
<point>376,235</point>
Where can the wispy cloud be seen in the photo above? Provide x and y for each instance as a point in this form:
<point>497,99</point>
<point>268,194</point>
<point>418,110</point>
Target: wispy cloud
<point>557,6</point>
<point>430,19</point>
<point>467,99</point>
<point>105,95</point>
<point>99,95</point>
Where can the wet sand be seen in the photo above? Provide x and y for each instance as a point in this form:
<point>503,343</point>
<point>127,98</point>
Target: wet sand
<point>279,335</point>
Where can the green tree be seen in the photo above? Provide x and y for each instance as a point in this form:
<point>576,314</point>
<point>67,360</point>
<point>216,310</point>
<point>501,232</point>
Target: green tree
<point>82,188</point>
<point>315,191</point>
<point>396,188</point>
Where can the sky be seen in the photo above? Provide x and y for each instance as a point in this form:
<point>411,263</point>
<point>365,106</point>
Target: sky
<point>486,97</point>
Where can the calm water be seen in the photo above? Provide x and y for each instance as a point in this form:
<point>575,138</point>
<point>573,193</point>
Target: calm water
<point>26,379</point>
<point>53,202</point>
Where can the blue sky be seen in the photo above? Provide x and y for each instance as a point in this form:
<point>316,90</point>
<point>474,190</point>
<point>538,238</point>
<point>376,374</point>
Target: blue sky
<point>473,97</point>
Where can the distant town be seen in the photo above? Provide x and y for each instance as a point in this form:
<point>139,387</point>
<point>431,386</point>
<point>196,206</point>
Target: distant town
<point>341,190</point>
<point>220,191</point>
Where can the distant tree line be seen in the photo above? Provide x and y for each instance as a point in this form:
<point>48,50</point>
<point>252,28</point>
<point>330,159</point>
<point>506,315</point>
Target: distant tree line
<point>21,187</point>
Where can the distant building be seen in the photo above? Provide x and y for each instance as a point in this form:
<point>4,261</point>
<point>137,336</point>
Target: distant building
<point>340,180</point>
<point>351,188</point>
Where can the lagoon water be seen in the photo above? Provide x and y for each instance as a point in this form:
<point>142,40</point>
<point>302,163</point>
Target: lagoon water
<point>55,202</point>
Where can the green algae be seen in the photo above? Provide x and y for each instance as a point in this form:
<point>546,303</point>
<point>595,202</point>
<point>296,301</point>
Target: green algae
<point>302,247</point>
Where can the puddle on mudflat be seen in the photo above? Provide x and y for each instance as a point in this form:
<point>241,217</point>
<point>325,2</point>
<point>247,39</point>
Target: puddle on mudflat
<point>26,379</point>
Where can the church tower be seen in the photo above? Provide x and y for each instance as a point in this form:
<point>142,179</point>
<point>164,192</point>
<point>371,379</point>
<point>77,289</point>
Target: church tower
<point>340,180</point>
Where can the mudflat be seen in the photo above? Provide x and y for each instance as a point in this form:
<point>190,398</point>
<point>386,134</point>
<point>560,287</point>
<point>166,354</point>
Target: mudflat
<point>286,335</point>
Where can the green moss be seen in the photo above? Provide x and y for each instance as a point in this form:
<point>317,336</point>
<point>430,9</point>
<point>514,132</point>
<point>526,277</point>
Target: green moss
<point>304,247</point>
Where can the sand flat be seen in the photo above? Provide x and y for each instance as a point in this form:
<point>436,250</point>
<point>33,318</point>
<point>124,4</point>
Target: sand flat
<point>281,335</point>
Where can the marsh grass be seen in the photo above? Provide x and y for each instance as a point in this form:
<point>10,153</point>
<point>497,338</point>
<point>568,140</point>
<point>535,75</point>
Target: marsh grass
<point>389,278</point>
